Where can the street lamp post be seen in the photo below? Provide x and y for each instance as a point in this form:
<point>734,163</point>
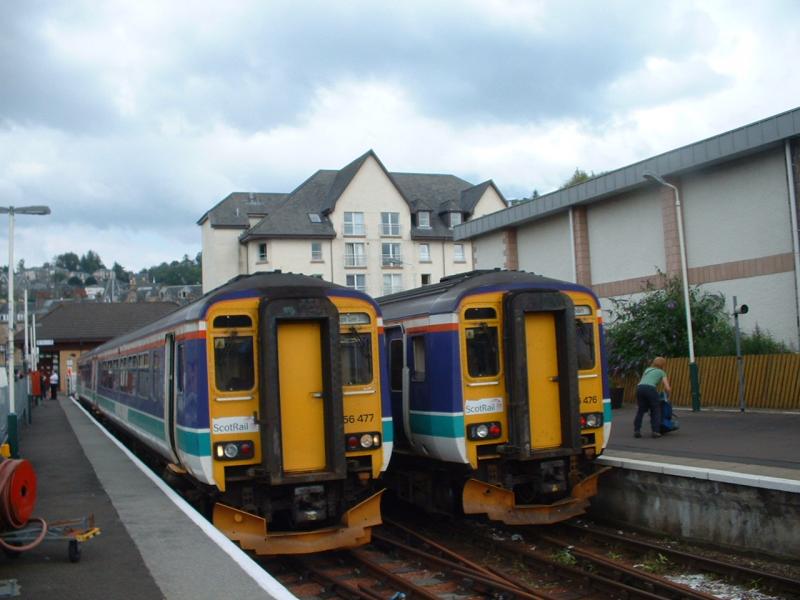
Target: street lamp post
<point>12,413</point>
<point>694,378</point>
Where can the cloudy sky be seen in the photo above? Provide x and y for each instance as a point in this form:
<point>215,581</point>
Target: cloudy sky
<point>131,119</point>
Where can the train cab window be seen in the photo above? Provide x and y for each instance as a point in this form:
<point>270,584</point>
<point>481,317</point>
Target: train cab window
<point>356,348</point>
<point>483,356</point>
<point>233,362</point>
<point>229,321</point>
<point>356,354</point>
<point>396,365</point>
<point>584,340</point>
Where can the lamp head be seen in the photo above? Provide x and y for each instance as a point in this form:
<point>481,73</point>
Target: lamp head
<point>650,176</point>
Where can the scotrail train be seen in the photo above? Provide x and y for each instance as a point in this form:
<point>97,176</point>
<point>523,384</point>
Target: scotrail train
<point>499,396</point>
<point>268,395</point>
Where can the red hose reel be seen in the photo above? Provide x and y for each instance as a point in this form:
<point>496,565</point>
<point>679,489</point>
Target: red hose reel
<point>18,498</point>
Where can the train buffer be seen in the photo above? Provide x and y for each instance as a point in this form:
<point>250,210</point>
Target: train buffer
<point>74,531</point>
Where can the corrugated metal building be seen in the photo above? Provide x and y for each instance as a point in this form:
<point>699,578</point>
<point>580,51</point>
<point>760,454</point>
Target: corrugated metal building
<point>738,192</point>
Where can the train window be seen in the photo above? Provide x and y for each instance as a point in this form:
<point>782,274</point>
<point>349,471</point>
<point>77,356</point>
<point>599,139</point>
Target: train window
<point>396,365</point>
<point>356,353</point>
<point>583,311</point>
<point>233,363</point>
<point>584,340</point>
<point>229,321</point>
<point>484,312</point>
<point>180,371</point>
<point>418,349</point>
<point>483,358</point>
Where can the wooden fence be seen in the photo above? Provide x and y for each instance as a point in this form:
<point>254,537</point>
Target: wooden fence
<point>771,381</point>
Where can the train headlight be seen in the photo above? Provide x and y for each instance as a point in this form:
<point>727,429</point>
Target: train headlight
<point>484,431</point>
<point>238,450</point>
<point>591,420</point>
<point>362,441</point>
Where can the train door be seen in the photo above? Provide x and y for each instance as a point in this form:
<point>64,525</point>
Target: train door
<point>398,384</point>
<point>301,395</point>
<point>541,373</point>
<point>170,379</point>
<point>543,380</point>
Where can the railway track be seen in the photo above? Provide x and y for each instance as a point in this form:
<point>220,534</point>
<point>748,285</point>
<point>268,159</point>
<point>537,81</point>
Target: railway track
<point>464,559</point>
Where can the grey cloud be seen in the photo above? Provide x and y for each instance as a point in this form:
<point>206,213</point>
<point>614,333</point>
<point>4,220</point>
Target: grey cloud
<point>263,70</point>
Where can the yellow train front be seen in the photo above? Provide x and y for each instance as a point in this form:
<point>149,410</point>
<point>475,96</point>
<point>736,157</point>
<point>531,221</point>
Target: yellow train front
<point>499,397</point>
<point>265,400</point>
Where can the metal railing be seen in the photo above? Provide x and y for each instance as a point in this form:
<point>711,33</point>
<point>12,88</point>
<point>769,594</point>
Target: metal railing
<point>355,260</point>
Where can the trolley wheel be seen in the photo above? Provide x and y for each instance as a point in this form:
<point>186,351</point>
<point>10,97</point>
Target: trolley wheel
<point>74,551</point>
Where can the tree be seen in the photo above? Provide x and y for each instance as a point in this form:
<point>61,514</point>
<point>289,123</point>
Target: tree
<point>90,280</point>
<point>120,273</point>
<point>74,281</point>
<point>579,176</point>
<point>68,261</point>
<point>90,262</point>
<point>655,325</point>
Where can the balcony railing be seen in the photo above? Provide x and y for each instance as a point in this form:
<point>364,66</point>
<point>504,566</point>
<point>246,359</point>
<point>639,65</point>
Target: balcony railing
<point>391,260</point>
<point>355,260</point>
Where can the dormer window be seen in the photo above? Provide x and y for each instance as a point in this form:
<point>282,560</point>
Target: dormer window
<point>314,218</point>
<point>455,219</point>
<point>424,219</point>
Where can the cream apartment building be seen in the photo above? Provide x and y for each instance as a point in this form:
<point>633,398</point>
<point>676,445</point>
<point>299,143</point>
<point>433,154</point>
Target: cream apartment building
<point>360,226</point>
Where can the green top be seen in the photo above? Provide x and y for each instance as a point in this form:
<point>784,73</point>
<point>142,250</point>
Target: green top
<point>652,376</point>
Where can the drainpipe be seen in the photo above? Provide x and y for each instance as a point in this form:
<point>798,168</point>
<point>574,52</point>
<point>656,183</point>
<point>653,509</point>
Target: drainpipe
<point>795,241</point>
<point>572,246</point>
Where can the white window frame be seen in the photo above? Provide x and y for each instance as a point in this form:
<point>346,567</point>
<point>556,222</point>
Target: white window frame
<point>424,219</point>
<point>390,223</point>
<point>316,251</point>
<point>263,254</point>
<point>357,281</point>
<point>425,253</point>
<point>354,223</point>
<point>458,253</point>
<point>456,218</point>
<point>355,254</point>
<point>391,254</point>
<point>392,283</point>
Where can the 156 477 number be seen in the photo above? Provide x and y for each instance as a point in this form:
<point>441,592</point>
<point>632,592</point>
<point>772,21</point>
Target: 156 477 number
<point>362,418</point>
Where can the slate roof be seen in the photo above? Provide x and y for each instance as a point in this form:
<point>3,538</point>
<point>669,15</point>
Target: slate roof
<point>236,208</point>
<point>97,321</point>
<point>436,193</point>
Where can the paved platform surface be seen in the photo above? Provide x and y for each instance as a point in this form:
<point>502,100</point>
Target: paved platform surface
<point>762,444</point>
<point>148,548</point>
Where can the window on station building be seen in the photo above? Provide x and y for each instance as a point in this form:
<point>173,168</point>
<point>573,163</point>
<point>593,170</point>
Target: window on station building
<point>424,219</point>
<point>262,251</point>
<point>458,253</point>
<point>424,253</point>
<point>316,251</point>
<point>390,223</point>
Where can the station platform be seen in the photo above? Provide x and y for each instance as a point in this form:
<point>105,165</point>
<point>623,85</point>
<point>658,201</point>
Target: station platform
<point>152,545</point>
<point>752,448</point>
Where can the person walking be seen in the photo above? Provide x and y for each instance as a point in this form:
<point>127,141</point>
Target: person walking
<point>54,384</point>
<point>647,399</point>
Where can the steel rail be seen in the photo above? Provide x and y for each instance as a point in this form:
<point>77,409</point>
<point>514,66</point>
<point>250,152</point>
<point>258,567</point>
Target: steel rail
<point>717,566</point>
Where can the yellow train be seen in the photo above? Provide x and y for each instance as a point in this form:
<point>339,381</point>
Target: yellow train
<point>499,395</point>
<point>267,398</point>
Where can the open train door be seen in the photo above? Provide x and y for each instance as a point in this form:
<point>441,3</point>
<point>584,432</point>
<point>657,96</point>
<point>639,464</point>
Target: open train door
<point>542,373</point>
<point>170,391</point>
<point>301,395</point>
